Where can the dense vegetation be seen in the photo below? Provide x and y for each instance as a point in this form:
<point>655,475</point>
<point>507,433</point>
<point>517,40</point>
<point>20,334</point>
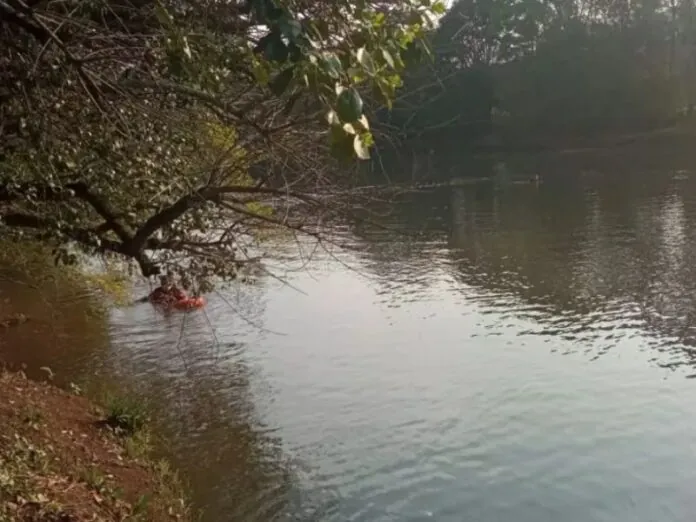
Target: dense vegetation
<point>166,132</point>
<point>511,69</point>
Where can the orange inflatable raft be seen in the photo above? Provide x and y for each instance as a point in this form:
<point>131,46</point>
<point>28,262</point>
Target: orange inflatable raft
<point>189,303</point>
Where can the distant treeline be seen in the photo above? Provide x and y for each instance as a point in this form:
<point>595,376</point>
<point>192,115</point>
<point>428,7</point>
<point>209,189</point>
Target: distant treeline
<point>511,72</point>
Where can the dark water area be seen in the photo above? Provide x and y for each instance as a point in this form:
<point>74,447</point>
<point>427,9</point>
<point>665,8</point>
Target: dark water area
<point>524,353</point>
<point>657,152</point>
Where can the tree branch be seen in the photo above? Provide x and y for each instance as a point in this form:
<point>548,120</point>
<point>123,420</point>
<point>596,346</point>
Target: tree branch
<point>163,218</point>
<point>37,191</point>
<point>132,244</point>
<point>84,236</point>
<point>243,189</point>
<point>47,193</point>
<point>102,208</point>
<point>189,201</point>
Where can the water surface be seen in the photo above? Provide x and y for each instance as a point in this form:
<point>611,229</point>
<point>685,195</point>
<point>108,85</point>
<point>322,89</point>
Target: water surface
<point>526,356</point>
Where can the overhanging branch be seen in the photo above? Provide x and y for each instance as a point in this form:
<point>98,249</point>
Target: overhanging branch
<point>135,244</point>
<point>48,193</point>
<point>81,235</point>
<point>199,197</point>
<point>102,208</point>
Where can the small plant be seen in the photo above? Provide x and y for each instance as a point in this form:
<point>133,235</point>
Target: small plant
<point>28,454</point>
<point>94,479</point>
<point>32,416</point>
<point>126,415</point>
<point>140,507</point>
<point>62,475</point>
<point>138,445</point>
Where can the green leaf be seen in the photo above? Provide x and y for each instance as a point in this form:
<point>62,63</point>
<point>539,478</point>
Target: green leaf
<point>291,103</point>
<point>349,105</point>
<point>415,18</point>
<point>439,8</point>
<point>365,59</point>
<point>295,52</point>
<point>267,10</point>
<point>361,125</point>
<point>398,60</point>
<point>163,15</point>
<point>260,72</point>
<point>185,47</point>
<point>383,90</point>
<point>273,47</point>
<point>361,148</point>
<point>331,65</point>
<point>291,28</point>
<point>333,118</point>
<point>280,83</point>
<point>277,51</point>
<point>387,87</point>
<point>356,75</point>
<point>341,144</point>
<point>388,58</point>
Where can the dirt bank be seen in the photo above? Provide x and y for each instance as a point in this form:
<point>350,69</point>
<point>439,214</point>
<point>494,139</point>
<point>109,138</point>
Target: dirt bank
<point>61,462</point>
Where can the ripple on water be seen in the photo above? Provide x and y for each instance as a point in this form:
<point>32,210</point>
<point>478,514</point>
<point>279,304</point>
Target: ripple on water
<point>421,379</point>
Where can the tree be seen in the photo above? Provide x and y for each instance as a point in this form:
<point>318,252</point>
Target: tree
<point>545,71</point>
<point>166,132</point>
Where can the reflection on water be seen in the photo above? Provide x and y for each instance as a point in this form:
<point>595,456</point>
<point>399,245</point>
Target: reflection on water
<point>64,331</point>
<point>420,377</point>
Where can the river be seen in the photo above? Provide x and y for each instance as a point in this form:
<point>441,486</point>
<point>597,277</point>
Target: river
<point>526,356</point>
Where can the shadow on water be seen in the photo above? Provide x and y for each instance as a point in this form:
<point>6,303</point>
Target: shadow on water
<point>65,331</point>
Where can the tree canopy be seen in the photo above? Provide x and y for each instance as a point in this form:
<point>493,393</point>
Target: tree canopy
<point>167,131</point>
<point>548,68</point>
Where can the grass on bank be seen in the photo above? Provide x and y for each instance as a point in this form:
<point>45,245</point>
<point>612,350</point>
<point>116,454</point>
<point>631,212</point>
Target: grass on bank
<point>64,460</point>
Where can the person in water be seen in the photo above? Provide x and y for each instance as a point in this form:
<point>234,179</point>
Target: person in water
<point>167,291</point>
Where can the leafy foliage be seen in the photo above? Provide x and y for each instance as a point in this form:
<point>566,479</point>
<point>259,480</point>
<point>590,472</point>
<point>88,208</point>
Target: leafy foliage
<point>515,69</point>
<point>125,415</point>
<point>167,131</point>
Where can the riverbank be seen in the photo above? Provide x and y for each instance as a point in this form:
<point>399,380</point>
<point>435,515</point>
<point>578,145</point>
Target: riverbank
<point>64,459</point>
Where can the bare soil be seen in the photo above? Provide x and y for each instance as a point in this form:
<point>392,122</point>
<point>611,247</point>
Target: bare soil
<point>60,463</point>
